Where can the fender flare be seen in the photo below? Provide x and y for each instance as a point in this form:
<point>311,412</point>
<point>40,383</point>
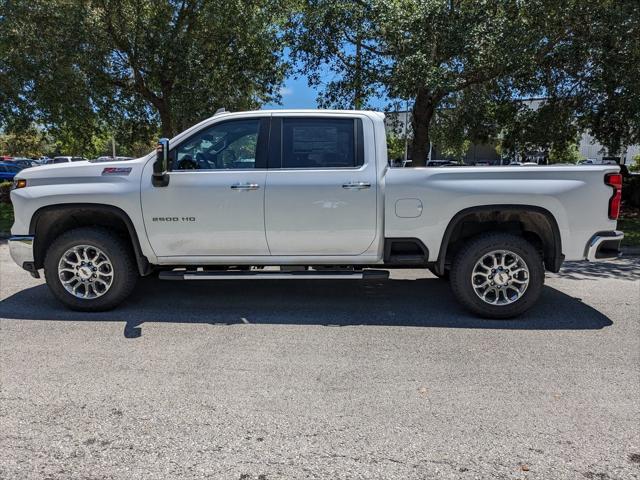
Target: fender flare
<point>553,260</point>
<point>144,267</point>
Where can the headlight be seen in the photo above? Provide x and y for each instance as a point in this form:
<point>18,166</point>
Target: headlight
<point>19,183</point>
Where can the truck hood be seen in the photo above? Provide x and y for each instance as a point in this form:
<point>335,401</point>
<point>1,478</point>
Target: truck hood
<point>82,172</point>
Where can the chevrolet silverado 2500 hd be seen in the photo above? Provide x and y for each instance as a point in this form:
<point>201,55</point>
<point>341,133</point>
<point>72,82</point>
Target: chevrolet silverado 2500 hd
<point>308,194</point>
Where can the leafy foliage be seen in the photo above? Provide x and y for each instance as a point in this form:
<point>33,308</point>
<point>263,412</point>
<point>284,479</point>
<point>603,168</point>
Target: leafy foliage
<point>565,154</point>
<point>335,39</point>
<point>395,146</point>
<point>124,67</point>
<point>475,57</point>
<point>5,190</point>
<point>29,143</point>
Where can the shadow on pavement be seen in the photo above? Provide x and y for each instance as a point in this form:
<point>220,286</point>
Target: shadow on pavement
<point>623,269</point>
<point>410,303</point>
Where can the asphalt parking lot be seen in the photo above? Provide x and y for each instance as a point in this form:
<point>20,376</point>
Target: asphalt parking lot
<point>320,379</point>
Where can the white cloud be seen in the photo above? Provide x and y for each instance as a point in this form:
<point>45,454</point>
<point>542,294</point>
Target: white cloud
<point>286,91</point>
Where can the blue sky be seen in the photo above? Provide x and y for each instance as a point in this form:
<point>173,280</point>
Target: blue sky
<point>296,93</point>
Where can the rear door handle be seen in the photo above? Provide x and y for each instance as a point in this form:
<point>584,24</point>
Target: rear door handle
<point>245,186</point>
<point>356,185</point>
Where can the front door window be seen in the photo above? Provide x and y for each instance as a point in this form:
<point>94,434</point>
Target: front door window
<point>224,146</point>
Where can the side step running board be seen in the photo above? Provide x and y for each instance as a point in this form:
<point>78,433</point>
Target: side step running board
<point>276,275</point>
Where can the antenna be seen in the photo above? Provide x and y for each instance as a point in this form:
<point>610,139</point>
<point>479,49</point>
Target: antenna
<point>219,111</point>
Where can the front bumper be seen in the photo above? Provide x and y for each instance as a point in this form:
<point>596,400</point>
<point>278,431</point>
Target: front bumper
<point>21,250</point>
<point>604,246</point>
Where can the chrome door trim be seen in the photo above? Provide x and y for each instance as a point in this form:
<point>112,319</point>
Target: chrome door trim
<point>245,186</point>
<point>356,185</point>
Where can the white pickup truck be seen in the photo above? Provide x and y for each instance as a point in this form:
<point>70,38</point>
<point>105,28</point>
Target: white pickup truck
<point>306,195</point>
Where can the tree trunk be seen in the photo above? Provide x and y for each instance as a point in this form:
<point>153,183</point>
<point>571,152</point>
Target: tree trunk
<point>166,122</point>
<point>422,113</point>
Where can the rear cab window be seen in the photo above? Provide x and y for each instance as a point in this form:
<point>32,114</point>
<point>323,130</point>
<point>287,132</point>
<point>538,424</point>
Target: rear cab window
<point>320,143</point>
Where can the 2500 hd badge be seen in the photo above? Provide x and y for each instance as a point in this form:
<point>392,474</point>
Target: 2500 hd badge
<point>173,219</point>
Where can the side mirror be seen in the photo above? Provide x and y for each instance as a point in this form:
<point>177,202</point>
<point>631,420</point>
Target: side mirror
<point>161,165</point>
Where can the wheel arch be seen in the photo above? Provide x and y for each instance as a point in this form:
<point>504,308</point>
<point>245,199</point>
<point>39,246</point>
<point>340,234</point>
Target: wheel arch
<point>49,222</point>
<point>535,223</point>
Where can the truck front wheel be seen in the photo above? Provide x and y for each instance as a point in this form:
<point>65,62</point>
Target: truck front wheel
<point>497,275</point>
<point>90,269</point>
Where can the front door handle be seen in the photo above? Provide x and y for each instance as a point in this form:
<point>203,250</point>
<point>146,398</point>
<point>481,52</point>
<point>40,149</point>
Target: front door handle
<point>356,185</point>
<point>245,186</point>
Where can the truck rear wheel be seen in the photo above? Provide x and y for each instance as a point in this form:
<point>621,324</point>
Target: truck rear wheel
<point>498,275</point>
<point>90,269</point>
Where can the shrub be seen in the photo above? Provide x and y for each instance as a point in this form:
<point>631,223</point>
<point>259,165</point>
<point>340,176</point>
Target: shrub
<point>631,191</point>
<point>5,189</point>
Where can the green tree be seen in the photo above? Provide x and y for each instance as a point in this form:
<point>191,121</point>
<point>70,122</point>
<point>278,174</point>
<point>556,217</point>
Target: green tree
<point>25,143</point>
<point>565,153</point>
<point>477,56</point>
<point>89,66</point>
<point>395,146</point>
<point>334,38</point>
<point>595,75</point>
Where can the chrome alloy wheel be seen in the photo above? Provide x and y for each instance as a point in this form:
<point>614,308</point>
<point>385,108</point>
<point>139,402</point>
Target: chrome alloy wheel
<point>500,277</point>
<point>85,272</point>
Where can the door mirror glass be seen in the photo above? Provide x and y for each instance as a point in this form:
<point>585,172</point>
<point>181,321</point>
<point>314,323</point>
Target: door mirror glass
<point>161,165</point>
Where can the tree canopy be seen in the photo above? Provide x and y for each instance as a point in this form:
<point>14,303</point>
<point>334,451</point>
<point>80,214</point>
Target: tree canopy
<point>477,56</point>
<point>129,66</point>
<point>85,71</point>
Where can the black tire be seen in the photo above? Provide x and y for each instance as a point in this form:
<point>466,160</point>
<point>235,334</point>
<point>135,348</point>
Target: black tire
<point>473,251</point>
<point>125,273</point>
<point>442,276</point>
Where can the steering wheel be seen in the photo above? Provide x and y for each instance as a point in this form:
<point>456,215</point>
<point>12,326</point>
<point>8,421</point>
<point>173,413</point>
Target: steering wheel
<point>187,163</point>
<point>202,161</point>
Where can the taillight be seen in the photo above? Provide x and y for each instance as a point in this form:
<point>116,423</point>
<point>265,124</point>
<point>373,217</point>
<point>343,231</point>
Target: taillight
<point>614,180</point>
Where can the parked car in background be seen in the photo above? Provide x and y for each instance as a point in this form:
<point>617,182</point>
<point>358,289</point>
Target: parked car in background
<point>111,159</point>
<point>23,162</point>
<point>400,163</point>
<point>7,171</point>
<point>441,163</point>
<point>40,160</point>
<point>64,159</point>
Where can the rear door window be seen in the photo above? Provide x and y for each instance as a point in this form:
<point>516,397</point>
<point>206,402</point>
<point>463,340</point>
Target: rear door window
<point>320,143</point>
